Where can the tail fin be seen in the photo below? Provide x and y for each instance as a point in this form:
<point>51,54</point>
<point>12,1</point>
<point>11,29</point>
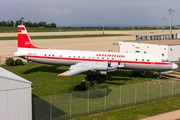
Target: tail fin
<point>24,41</point>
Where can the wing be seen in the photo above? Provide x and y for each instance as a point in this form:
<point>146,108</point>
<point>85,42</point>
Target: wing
<point>76,69</point>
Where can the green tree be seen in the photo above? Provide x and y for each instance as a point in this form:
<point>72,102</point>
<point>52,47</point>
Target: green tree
<point>18,22</point>
<point>3,23</point>
<point>53,25</point>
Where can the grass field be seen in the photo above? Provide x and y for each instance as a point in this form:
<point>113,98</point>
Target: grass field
<point>44,78</point>
<point>46,83</point>
<point>64,36</point>
<point>137,111</point>
<point>36,29</point>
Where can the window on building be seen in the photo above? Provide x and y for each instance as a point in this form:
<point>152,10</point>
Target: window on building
<point>137,51</point>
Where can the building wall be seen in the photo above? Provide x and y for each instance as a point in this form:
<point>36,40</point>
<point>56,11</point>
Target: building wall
<point>15,100</point>
<point>156,49</point>
<point>174,52</point>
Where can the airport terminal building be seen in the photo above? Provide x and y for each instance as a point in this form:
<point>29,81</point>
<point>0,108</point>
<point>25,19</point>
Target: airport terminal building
<point>169,49</point>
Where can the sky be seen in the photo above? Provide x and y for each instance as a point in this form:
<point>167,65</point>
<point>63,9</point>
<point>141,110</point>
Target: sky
<point>91,12</point>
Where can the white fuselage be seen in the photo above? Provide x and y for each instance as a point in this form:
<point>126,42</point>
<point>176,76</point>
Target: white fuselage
<point>135,61</point>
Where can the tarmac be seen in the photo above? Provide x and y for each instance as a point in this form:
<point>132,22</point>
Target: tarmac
<point>8,47</point>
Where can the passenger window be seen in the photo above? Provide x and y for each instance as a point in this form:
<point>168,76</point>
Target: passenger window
<point>78,56</point>
<point>49,55</point>
<point>107,58</point>
<point>142,59</point>
<point>83,57</point>
<point>74,56</point>
<point>148,60</point>
<point>112,58</point>
<point>69,56</point>
<point>97,57</point>
<point>102,58</point>
<point>92,57</point>
<point>60,55</point>
<point>89,57</point>
<point>53,55</point>
<point>45,55</point>
<point>136,59</point>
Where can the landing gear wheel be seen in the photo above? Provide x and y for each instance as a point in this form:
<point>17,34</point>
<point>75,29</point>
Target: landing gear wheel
<point>90,78</point>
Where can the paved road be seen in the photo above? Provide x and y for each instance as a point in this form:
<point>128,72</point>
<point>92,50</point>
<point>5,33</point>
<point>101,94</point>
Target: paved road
<point>137,32</point>
<point>173,115</point>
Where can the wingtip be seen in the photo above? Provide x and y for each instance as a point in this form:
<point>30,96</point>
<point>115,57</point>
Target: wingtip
<point>63,75</point>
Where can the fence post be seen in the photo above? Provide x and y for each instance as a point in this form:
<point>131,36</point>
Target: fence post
<point>148,93</point>
<point>88,104</point>
<point>120,98</point>
<point>172,86</point>
<point>105,101</point>
<point>70,104</point>
<point>135,92</point>
<point>51,107</point>
<point>160,88</point>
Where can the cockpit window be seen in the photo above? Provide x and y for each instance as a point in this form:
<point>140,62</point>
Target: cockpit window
<point>165,60</point>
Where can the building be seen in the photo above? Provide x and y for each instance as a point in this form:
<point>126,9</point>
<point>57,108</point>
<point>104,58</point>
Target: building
<point>166,48</point>
<point>15,97</point>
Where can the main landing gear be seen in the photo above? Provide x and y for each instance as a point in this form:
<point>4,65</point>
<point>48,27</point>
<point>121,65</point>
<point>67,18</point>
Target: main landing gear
<point>90,78</point>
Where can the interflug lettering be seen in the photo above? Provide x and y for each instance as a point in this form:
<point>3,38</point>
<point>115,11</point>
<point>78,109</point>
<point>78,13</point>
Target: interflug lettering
<point>110,55</point>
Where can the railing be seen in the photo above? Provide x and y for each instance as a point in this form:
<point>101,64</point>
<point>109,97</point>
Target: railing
<point>81,103</point>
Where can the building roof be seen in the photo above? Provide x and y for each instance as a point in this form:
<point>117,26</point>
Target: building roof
<point>161,42</point>
<point>7,74</point>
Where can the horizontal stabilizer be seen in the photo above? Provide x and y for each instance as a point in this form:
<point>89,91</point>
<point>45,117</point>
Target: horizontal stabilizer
<point>12,56</point>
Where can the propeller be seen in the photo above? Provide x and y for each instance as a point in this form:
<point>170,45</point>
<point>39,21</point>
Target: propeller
<point>119,64</point>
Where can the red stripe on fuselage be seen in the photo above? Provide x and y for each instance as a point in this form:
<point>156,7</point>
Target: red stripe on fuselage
<point>99,60</point>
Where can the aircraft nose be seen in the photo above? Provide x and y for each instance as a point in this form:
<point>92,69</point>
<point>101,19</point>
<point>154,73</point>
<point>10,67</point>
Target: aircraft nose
<point>174,66</point>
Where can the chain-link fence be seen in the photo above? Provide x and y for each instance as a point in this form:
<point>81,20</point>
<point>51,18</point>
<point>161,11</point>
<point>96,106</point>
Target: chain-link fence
<point>75,104</point>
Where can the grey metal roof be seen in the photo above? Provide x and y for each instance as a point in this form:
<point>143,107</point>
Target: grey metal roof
<point>7,74</point>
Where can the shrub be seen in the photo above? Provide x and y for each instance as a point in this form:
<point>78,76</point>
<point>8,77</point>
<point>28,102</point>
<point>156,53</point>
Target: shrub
<point>18,62</point>
<point>104,85</point>
<point>10,62</point>
<point>96,93</point>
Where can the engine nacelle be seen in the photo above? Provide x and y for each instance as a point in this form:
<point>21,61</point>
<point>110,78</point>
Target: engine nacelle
<point>101,72</point>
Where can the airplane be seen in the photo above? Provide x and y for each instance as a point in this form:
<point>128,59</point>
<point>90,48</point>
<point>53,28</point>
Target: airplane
<point>93,61</point>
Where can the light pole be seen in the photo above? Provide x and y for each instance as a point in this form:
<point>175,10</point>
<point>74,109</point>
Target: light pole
<point>21,20</point>
<point>163,24</point>
<point>170,12</point>
<point>103,25</point>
